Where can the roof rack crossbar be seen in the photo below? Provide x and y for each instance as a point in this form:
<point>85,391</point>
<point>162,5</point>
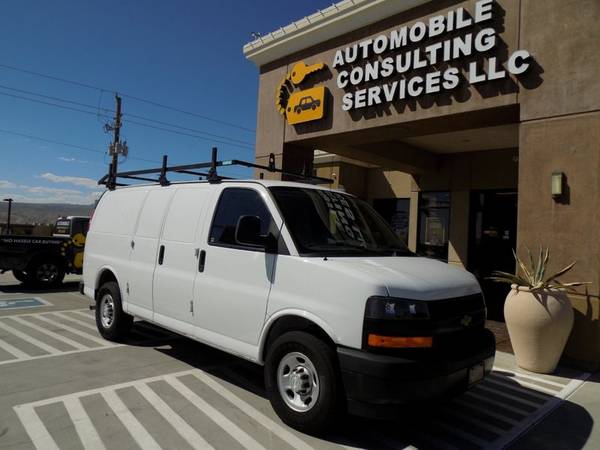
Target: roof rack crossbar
<point>110,179</point>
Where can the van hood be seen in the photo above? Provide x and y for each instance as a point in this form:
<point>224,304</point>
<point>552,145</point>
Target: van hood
<point>414,277</point>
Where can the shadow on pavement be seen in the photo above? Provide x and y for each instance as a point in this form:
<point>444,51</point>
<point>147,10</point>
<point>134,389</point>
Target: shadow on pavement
<point>426,425</point>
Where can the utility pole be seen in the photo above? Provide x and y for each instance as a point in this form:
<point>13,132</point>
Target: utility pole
<point>9,200</point>
<point>117,147</point>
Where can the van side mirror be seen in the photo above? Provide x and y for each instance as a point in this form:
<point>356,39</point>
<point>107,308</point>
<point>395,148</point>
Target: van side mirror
<point>247,231</point>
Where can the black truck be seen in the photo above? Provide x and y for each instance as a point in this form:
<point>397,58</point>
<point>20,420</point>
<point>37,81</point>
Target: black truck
<point>43,261</point>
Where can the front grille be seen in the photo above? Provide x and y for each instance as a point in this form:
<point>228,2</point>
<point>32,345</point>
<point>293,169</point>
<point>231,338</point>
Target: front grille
<point>454,307</point>
<point>454,323</point>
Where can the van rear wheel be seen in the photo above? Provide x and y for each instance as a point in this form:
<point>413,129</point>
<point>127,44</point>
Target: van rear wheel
<point>45,273</point>
<point>112,322</point>
<point>301,381</point>
<point>20,275</point>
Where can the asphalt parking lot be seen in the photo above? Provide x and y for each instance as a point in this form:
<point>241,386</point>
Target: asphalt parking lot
<point>63,386</point>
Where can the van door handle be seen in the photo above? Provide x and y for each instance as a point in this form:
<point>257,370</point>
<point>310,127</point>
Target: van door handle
<point>201,261</point>
<point>161,255</point>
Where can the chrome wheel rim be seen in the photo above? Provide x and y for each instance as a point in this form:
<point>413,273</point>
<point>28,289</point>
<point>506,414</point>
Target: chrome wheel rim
<point>107,310</point>
<point>298,382</point>
<point>47,272</point>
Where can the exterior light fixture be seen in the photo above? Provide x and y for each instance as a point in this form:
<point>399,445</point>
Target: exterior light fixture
<point>558,179</point>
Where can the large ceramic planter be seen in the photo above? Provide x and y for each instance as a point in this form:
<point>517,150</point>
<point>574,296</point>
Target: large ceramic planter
<point>539,324</point>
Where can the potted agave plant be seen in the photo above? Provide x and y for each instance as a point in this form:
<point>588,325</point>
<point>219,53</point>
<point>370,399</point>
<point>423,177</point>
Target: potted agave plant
<point>538,312</point>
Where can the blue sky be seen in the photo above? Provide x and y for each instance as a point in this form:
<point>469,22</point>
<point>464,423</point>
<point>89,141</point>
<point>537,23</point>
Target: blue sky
<point>182,53</point>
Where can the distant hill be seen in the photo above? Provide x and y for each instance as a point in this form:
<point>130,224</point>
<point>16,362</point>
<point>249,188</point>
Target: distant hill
<point>44,213</point>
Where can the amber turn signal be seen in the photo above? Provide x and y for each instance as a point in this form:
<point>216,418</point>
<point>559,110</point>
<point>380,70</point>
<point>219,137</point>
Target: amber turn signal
<point>400,342</point>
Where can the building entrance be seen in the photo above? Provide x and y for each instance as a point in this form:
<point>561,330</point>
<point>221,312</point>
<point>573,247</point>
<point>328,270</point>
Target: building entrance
<point>492,238</point>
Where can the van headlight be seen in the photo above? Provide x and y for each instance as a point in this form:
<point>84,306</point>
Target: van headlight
<point>396,308</point>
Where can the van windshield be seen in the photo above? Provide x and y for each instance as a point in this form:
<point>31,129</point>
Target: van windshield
<point>326,223</point>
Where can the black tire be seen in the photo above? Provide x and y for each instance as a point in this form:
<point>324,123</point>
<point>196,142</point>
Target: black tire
<point>20,275</point>
<point>45,273</point>
<point>323,411</point>
<point>112,322</point>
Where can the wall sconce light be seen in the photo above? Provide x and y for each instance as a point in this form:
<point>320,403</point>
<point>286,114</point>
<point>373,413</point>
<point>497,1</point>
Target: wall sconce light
<point>558,182</point>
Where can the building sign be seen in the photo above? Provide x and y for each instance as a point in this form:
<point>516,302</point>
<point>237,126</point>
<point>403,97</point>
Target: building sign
<point>304,105</point>
<point>386,63</point>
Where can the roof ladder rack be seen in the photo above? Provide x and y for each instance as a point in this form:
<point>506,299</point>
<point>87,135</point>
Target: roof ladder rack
<point>110,179</point>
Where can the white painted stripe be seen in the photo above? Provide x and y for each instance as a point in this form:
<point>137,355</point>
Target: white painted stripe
<point>33,341</point>
<point>232,429</point>
<point>517,389</point>
<point>181,426</point>
<point>517,410</point>
<point>62,398</point>
<point>39,435</point>
<point>488,411</point>
<point>14,351</point>
<point>77,332</point>
<point>133,426</point>
<point>469,437</point>
<point>529,377</point>
<point>80,322</point>
<point>255,414</point>
<point>52,334</point>
<point>542,412</point>
<point>508,395</point>
<point>525,385</point>
<point>83,425</point>
<point>30,358</point>
<point>38,313</point>
<point>83,313</point>
<point>475,421</point>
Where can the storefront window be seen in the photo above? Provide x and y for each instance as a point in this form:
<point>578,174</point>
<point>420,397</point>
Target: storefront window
<point>396,212</point>
<point>434,224</point>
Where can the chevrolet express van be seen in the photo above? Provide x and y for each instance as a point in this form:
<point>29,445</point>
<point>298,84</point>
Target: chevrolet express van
<point>307,281</point>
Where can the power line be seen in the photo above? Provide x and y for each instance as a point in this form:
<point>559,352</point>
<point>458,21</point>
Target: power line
<point>65,144</point>
<point>139,99</point>
<point>233,142</point>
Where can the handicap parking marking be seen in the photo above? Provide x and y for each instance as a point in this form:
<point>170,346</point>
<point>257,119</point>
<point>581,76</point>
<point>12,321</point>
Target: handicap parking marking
<point>23,303</point>
<point>32,336</point>
<point>474,420</point>
<point>145,436</point>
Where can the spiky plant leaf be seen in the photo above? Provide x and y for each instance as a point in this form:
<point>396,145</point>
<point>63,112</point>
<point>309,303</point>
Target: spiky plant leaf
<point>561,272</point>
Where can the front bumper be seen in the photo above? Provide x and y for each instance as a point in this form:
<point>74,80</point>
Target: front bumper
<point>378,385</point>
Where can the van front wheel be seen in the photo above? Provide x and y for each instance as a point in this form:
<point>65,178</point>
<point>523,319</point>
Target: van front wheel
<point>112,322</point>
<point>301,381</point>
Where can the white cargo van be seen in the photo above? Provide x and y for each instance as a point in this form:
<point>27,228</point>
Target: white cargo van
<point>307,281</point>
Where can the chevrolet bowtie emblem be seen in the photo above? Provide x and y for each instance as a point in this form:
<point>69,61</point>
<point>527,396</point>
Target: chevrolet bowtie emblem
<point>466,321</point>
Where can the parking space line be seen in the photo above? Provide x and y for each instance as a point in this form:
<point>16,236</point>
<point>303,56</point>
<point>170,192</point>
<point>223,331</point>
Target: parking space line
<point>33,341</point>
<point>517,410</point>
<point>39,435</point>
<point>516,388</point>
<point>14,351</point>
<point>83,323</point>
<point>508,420</point>
<point>137,431</point>
<point>524,385</point>
<point>509,395</point>
<point>52,334</point>
<point>255,414</point>
<point>83,425</point>
<point>500,372</point>
<point>185,430</point>
<point>216,416</point>
<point>83,334</point>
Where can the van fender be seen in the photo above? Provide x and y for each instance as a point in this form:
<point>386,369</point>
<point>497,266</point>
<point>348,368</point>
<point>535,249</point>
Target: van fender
<point>291,312</point>
<point>112,270</point>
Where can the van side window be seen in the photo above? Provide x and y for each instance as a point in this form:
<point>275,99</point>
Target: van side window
<point>234,203</point>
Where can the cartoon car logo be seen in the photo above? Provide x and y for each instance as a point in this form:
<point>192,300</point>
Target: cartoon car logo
<point>307,103</point>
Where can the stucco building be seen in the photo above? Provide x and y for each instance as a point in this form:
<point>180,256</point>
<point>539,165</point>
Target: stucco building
<point>453,118</point>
